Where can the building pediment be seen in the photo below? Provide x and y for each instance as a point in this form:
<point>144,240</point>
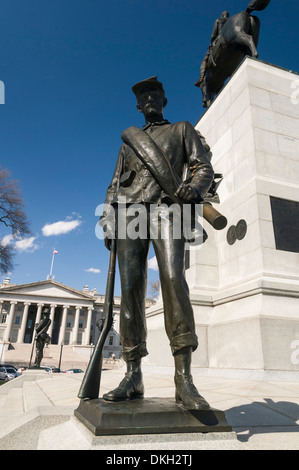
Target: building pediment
<point>49,289</point>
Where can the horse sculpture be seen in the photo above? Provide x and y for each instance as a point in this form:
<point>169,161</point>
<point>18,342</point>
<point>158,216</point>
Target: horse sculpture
<point>238,37</point>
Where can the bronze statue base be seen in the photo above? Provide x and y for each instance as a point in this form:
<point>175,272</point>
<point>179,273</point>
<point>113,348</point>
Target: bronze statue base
<point>147,416</point>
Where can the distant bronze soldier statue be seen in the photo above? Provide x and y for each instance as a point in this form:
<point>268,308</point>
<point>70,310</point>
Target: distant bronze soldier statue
<point>134,181</point>
<point>41,338</point>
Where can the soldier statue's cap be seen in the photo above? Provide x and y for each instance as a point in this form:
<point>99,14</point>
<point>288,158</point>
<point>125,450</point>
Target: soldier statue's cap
<point>152,81</point>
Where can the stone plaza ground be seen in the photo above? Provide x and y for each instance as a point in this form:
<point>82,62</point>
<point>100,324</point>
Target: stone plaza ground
<point>37,413</point>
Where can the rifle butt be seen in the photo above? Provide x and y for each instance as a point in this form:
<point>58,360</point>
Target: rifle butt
<point>91,382</point>
<point>215,218</point>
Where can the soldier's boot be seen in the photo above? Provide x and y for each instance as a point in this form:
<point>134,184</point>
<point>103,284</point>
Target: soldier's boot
<point>131,385</point>
<point>186,392</point>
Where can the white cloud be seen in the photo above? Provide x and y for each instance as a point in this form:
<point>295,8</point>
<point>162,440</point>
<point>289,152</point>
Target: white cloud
<point>93,270</point>
<point>152,264</point>
<point>60,227</point>
<point>21,244</point>
<point>6,240</point>
<point>26,244</point>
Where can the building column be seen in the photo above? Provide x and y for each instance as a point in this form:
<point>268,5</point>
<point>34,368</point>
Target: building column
<point>22,331</point>
<point>76,326</point>
<point>39,313</point>
<point>9,322</point>
<point>1,339</point>
<point>1,307</point>
<point>52,315</point>
<point>63,324</point>
<point>88,325</point>
<point>37,319</point>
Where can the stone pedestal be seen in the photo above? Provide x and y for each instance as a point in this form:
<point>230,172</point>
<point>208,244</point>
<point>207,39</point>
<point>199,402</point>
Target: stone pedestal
<point>147,416</point>
<point>244,281</point>
<point>74,435</point>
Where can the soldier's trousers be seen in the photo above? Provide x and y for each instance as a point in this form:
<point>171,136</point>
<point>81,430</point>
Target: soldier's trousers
<point>178,312</point>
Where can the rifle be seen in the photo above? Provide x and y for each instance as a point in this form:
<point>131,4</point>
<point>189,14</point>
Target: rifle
<point>32,349</point>
<point>91,381</point>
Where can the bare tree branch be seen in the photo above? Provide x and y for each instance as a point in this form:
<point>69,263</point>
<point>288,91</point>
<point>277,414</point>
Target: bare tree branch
<point>12,215</point>
<point>154,289</point>
<point>6,258</point>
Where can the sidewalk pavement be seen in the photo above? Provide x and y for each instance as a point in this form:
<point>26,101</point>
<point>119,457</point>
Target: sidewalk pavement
<point>264,415</point>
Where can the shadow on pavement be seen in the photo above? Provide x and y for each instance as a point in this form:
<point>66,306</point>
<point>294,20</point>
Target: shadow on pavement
<point>265,416</point>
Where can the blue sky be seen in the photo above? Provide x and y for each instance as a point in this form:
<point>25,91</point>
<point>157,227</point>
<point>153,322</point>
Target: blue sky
<point>68,67</point>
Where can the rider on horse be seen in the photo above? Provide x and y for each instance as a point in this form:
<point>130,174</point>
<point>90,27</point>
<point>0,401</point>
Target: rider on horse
<point>232,39</point>
<point>216,33</point>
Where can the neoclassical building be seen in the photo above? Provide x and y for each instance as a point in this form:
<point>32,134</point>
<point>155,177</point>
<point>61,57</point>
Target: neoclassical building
<point>75,315</point>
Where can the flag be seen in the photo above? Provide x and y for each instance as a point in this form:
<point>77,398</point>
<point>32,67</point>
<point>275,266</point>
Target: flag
<point>55,252</point>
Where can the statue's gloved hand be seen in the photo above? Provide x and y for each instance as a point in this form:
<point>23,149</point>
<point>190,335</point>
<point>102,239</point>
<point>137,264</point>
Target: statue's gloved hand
<point>186,193</point>
<point>107,242</point>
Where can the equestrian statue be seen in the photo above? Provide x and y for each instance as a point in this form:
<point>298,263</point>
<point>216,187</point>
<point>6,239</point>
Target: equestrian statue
<point>232,39</point>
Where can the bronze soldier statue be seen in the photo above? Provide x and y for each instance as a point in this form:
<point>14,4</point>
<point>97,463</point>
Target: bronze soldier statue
<point>135,182</point>
<point>41,338</point>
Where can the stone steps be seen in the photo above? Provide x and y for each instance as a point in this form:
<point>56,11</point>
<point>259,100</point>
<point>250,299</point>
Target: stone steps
<point>13,404</point>
<point>19,354</point>
<point>33,396</point>
<point>26,399</point>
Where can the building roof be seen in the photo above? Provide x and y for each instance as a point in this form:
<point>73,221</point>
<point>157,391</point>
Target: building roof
<point>48,288</point>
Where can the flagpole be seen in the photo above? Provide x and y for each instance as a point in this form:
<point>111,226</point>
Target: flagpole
<point>52,265</point>
<point>54,252</point>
